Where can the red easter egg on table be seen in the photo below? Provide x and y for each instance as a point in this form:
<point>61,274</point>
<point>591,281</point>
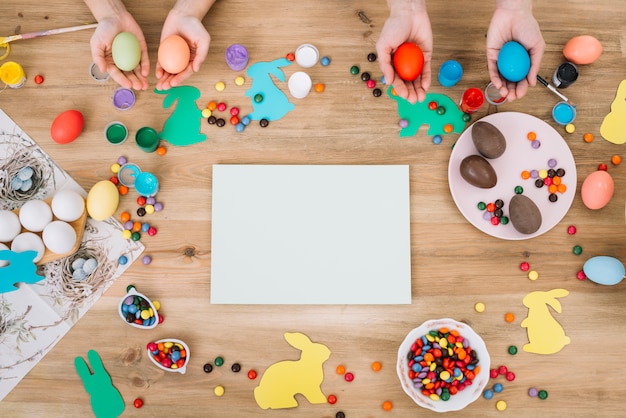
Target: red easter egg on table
<point>408,61</point>
<point>67,126</point>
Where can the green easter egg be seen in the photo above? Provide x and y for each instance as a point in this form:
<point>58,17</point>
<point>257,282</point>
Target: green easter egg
<point>126,51</point>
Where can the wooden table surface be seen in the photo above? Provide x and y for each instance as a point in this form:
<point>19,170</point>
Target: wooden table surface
<point>454,265</point>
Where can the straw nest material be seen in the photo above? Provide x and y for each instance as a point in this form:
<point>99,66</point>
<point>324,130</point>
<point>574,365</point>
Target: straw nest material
<point>15,154</point>
<point>73,293</point>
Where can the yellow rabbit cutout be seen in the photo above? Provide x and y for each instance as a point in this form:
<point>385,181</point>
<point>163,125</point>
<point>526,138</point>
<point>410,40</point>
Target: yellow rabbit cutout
<point>613,127</point>
<point>283,380</point>
<point>545,334</point>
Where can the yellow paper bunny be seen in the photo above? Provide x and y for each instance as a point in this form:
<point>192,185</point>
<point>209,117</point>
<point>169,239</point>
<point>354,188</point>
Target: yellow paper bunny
<point>613,127</point>
<point>285,379</point>
<point>545,334</point>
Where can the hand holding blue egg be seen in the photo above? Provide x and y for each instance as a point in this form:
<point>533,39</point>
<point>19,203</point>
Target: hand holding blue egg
<point>513,61</point>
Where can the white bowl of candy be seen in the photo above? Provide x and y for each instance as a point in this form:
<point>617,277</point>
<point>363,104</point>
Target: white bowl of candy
<point>443,365</point>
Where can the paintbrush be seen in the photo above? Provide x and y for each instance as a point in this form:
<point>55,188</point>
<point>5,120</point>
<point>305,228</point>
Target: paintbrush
<point>553,89</point>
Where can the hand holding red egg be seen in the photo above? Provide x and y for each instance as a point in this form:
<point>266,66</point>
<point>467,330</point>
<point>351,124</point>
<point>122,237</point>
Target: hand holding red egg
<point>408,61</point>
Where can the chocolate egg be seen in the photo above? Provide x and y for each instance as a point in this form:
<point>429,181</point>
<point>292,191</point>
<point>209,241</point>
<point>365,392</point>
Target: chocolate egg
<point>478,172</point>
<point>524,214</point>
<point>488,140</point>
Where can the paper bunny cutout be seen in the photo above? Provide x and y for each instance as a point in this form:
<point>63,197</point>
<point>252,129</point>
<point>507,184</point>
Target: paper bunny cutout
<point>183,125</point>
<point>613,127</point>
<point>106,401</point>
<point>545,334</point>
<point>274,104</point>
<point>284,379</point>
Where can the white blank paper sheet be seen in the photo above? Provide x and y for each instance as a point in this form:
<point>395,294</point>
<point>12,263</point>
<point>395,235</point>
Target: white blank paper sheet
<point>310,234</point>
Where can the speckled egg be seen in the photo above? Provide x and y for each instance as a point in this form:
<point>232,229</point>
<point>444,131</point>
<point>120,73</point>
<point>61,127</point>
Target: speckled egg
<point>488,140</point>
<point>524,214</point>
<point>583,49</point>
<point>478,172</point>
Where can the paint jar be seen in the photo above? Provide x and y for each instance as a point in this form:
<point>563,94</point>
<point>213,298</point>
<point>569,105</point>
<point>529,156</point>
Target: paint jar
<point>116,133</point>
<point>236,57</point>
<point>563,113</point>
<point>472,100</point>
<point>12,74</point>
<point>564,75</point>
<point>493,96</point>
<point>299,84</point>
<point>128,174</point>
<point>307,55</point>
<point>96,74</point>
<point>123,99</point>
<point>450,73</point>
<point>147,139</point>
<point>146,184</point>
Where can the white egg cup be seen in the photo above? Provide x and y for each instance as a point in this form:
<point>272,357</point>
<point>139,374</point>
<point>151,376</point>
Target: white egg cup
<point>132,293</point>
<point>181,370</point>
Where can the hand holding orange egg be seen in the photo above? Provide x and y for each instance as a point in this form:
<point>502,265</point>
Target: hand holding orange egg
<point>174,54</point>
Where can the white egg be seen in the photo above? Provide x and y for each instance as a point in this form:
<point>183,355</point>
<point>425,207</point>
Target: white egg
<point>10,226</point>
<point>68,205</point>
<point>5,262</point>
<point>59,237</point>
<point>28,241</point>
<point>35,215</point>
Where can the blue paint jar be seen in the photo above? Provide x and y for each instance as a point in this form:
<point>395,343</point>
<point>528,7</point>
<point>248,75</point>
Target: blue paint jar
<point>563,113</point>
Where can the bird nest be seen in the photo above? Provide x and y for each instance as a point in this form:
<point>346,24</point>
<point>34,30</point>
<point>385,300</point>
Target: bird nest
<point>78,293</point>
<point>17,153</point>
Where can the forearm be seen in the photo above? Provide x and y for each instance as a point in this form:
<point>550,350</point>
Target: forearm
<point>522,5</point>
<point>195,8</point>
<point>406,6</point>
<point>101,9</point>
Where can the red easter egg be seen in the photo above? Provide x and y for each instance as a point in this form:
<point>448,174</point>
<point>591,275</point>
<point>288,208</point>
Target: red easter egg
<point>408,61</point>
<point>67,126</point>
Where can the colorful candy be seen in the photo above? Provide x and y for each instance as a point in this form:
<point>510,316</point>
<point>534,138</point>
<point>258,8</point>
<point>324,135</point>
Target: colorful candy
<point>170,355</point>
<point>138,310</point>
<point>442,363</point>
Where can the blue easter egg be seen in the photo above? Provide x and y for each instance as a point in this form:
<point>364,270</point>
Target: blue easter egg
<point>513,61</point>
<point>604,270</point>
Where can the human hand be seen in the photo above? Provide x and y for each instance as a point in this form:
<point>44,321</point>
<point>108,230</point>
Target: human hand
<point>192,30</point>
<point>513,20</point>
<point>406,22</point>
<point>101,49</point>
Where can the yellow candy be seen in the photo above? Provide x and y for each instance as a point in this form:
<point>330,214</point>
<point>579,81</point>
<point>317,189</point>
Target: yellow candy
<point>543,173</point>
<point>219,390</point>
<point>443,343</point>
<point>425,381</point>
<point>220,86</point>
<point>239,80</point>
<point>434,397</point>
<point>149,209</point>
<point>126,234</point>
<point>570,128</point>
<point>157,304</point>
<point>479,307</point>
<point>444,375</point>
<point>500,405</point>
<point>168,344</point>
<point>433,366</point>
<point>206,113</point>
<point>145,314</point>
<point>430,338</point>
<point>533,275</point>
<point>115,168</point>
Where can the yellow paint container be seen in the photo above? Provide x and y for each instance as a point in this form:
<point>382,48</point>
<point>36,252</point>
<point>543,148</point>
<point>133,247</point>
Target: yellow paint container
<point>12,74</point>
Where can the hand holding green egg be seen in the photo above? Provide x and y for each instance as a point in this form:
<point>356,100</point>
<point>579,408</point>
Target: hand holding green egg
<point>126,51</point>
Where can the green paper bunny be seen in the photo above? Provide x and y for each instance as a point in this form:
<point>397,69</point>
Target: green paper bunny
<point>106,401</point>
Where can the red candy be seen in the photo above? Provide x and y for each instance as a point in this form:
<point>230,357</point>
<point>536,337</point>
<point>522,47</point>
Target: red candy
<point>332,399</point>
<point>524,266</point>
<point>349,377</point>
<point>252,374</point>
<point>503,370</point>
<point>138,403</point>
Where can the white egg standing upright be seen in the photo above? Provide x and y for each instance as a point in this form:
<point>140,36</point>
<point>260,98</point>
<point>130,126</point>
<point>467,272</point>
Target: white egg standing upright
<point>68,205</point>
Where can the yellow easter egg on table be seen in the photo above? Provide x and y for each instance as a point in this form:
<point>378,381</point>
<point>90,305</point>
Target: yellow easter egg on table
<point>126,51</point>
<point>102,200</point>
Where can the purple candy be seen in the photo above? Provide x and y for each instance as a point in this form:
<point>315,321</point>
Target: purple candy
<point>122,160</point>
<point>236,57</point>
